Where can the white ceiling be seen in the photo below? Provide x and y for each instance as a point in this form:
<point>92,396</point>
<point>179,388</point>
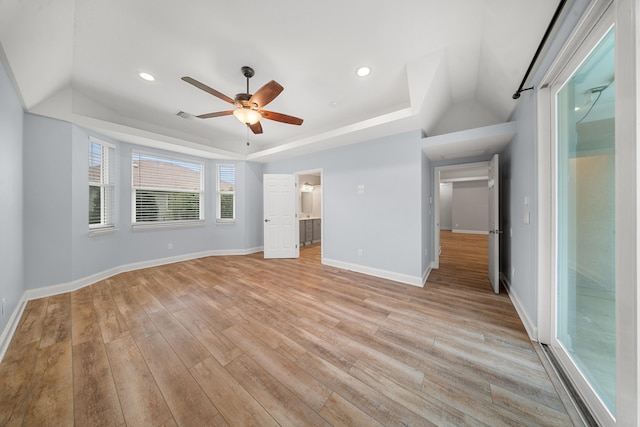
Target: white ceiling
<point>439,66</point>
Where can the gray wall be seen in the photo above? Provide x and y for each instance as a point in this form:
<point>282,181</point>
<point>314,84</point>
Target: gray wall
<point>519,176</point>
<point>58,247</point>
<point>253,205</point>
<point>390,222</point>
<point>47,201</point>
<point>470,206</point>
<point>446,196</point>
<point>11,208</point>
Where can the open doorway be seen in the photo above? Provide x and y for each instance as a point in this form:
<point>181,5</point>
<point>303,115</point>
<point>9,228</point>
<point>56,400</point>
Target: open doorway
<point>310,214</point>
<point>462,226</point>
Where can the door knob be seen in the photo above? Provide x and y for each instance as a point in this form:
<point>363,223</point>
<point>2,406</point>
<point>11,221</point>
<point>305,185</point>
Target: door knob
<point>267,220</point>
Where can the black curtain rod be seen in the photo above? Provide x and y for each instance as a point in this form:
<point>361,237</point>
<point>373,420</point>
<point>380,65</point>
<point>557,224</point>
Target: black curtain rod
<point>540,46</point>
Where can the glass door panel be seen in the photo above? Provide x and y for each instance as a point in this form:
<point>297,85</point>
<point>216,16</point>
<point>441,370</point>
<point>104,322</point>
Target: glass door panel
<point>585,292</point>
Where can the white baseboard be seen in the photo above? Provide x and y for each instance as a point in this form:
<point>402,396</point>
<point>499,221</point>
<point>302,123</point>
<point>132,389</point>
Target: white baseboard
<point>47,291</point>
<point>425,275</point>
<point>376,272</point>
<point>532,330</point>
<point>10,329</point>
<point>61,288</point>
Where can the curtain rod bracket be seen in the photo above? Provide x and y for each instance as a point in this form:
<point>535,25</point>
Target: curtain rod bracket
<point>517,94</point>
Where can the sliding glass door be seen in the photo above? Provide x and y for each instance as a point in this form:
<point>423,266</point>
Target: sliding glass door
<point>586,221</point>
<point>589,211</point>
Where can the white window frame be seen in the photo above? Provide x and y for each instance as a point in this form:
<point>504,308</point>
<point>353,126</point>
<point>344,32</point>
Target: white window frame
<point>220,193</point>
<point>164,223</point>
<point>105,184</point>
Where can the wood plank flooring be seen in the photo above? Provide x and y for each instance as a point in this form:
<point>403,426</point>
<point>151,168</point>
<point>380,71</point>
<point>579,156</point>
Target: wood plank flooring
<point>463,261</point>
<point>245,341</point>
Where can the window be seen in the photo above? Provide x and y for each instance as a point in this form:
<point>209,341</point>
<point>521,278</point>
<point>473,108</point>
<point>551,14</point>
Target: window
<point>226,187</point>
<point>100,185</point>
<point>166,191</point>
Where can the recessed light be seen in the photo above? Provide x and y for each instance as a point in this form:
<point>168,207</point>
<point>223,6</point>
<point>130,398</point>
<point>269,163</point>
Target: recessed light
<point>146,76</point>
<point>363,71</point>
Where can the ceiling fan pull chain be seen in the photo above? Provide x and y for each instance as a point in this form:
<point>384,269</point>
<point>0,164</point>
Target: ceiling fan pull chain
<point>248,133</point>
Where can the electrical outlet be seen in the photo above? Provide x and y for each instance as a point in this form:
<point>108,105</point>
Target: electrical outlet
<point>359,252</point>
<point>170,246</point>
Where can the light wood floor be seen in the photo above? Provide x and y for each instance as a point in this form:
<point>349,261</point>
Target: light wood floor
<point>246,341</point>
<point>463,261</point>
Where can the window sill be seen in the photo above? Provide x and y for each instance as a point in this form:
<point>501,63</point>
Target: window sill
<point>226,222</point>
<point>98,231</point>
<point>167,224</point>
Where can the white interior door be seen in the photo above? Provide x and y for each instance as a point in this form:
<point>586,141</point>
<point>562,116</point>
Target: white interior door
<point>494,223</point>
<point>280,221</point>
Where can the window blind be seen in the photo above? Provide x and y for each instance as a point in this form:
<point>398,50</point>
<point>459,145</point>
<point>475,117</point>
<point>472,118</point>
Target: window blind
<point>166,189</point>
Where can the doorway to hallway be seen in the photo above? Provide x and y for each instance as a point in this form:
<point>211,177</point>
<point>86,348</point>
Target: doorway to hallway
<point>466,203</point>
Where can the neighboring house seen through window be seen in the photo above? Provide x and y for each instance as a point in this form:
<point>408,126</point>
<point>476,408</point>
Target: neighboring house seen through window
<point>166,190</point>
<point>226,188</point>
<point>100,184</point>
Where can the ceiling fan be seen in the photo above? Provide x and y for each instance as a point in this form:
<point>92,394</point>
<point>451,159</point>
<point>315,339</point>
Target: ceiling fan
<point>249,107</point>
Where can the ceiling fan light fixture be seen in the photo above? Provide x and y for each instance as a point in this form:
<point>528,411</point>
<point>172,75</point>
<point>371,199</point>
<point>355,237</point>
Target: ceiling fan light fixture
<point>247,115</point>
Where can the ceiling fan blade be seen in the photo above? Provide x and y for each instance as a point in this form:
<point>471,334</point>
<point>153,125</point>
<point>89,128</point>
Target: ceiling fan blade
<point>208,89</point>
<point>266,94</point>
<point>279,117</point>
<point>256,128</point>
<point>216,114</point>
